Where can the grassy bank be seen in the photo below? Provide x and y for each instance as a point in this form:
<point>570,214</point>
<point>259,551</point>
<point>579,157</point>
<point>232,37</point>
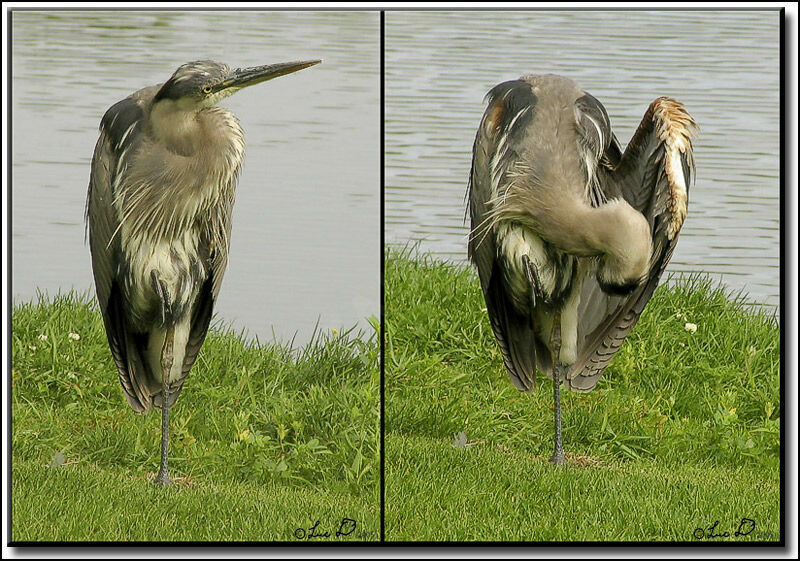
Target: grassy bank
<point>682,431</point>
<point>265,439</point>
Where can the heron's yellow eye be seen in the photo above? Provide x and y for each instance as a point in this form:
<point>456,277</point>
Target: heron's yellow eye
<point>207,90</point>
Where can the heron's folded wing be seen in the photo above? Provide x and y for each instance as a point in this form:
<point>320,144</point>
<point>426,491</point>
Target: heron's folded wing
<point>496,150</point>
<point>102,227</point>
<point>654,176</point>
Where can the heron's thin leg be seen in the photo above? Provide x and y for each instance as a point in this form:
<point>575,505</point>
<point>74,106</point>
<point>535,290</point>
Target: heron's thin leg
<point>166,365</point>
<point>555,348</point>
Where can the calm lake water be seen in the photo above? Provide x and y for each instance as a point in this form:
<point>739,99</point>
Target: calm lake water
<point>724,66</point>
<point>306,233</point>
<point>306,236</point>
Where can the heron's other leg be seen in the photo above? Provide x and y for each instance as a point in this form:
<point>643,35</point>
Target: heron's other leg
<point>555,349</point>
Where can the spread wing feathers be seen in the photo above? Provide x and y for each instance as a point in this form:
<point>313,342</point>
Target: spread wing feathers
<point>653,175</point>
<point>497,148</point>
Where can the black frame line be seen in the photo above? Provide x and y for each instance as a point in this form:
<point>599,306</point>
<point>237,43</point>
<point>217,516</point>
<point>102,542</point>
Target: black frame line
<point>542,547</point>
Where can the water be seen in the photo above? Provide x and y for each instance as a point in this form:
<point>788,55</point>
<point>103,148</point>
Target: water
<point>306,231</point>
<point>724,66</point>
<point>306,237</point>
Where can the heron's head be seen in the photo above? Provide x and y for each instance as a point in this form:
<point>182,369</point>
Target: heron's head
<point>204,83</point>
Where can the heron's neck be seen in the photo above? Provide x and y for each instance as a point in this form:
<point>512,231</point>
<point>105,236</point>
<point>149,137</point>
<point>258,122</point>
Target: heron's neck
<point>177,127</point>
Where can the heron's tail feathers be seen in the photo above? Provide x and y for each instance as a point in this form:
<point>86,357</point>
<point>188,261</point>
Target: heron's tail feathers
<point>126,348</point>
<point>142,377</point>
<point>137,379</point>
<point>514,334</point>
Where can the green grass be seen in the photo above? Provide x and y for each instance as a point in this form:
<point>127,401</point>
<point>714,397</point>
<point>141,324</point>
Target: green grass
<point>682,431</point>
<point>265,439</point>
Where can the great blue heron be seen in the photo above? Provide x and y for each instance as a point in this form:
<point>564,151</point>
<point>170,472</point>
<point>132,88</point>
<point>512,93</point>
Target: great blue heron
<point>569,234</point>
<point>158,215</point>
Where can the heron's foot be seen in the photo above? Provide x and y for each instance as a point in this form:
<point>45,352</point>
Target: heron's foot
<point>167,356</point>
<point>160,288</point>
<point>163,479</point>
<point>558,458</point>
<point>533,279</point>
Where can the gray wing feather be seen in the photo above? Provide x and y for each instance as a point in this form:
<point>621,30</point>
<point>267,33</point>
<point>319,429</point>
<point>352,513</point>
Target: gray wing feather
<point>511,105</point>
<point>102,223</point>
<point>641,177</point>
<point>593,124</point>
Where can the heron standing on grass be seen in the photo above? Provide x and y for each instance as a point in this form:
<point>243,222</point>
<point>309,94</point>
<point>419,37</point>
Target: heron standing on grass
<point>158,213</point>
<point>569,234</point>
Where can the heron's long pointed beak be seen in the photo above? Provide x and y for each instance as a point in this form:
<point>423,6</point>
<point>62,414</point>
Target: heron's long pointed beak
<point>243,77</point>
